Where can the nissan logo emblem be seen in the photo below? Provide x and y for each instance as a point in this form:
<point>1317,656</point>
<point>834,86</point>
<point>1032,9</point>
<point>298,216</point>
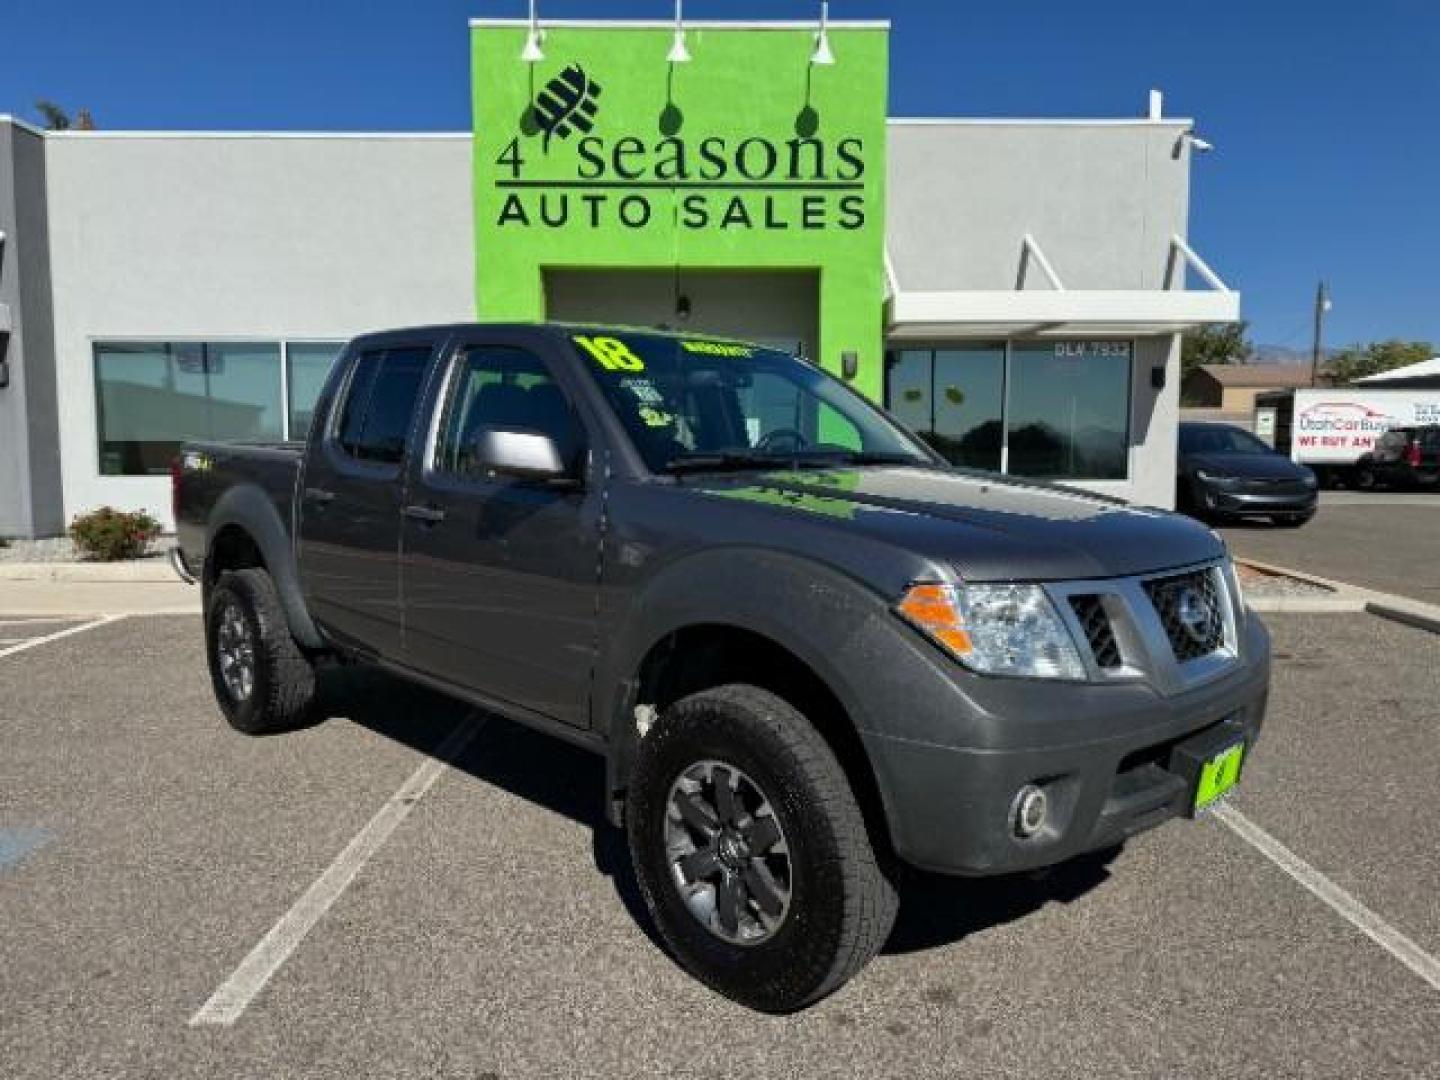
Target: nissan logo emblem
<point>1194,612</point>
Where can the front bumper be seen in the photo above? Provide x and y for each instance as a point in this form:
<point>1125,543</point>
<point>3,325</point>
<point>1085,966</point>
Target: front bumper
<point>1233,500</point>
<point>950,808</point>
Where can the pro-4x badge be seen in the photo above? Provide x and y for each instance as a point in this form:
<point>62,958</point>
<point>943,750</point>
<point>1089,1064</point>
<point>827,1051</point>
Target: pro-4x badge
<point>565,104</point>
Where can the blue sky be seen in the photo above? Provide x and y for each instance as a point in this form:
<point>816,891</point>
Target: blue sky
<point>1325,116</point>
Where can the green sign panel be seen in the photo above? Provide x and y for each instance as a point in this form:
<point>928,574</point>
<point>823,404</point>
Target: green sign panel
<point>746,158</point>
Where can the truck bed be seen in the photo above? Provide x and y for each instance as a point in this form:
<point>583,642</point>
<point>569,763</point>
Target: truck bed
<point>215,468</point>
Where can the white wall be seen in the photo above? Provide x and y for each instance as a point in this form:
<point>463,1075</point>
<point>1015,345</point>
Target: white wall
<point>1102,198</point>
<point>255,237</point>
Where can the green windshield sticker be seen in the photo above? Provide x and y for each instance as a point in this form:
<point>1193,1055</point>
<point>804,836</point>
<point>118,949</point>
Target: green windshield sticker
<point>655,417</point>
<point>718,348</point>
<point>610,353</point>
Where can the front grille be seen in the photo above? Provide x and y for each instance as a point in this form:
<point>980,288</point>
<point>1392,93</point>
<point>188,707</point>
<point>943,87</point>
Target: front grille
<point>1276,487</point>
<point>1189,607</point>
<point>1095,621</point>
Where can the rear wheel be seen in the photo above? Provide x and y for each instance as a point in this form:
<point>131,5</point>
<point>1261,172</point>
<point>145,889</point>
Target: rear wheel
<point>263,682</point>
<point>751,850</point>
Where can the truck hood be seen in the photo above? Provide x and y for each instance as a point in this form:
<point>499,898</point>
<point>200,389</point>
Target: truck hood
<point>987,527</point>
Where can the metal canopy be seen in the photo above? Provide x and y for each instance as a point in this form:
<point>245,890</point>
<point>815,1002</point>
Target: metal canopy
<point>1060,312</point>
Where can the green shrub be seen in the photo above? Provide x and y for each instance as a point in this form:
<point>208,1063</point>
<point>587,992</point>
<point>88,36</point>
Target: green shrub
<point>109,535</point>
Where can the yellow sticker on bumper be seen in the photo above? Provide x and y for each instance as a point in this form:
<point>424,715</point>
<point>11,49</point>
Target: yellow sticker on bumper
<point>1218,775</point>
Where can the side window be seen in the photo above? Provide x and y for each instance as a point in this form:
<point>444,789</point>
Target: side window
<point>503,387</point>
<point>375,420</point>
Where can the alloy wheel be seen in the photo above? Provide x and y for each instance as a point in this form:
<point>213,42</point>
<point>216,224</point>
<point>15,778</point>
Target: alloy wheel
<point>728,854</point>
<point>235,649</point>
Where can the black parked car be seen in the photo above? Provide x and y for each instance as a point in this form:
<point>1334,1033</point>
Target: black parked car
<point>1403,457</point>
<point>1225,472</point>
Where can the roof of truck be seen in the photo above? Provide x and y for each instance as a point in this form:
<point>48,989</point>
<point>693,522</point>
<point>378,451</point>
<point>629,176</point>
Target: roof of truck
<point>437,329</point>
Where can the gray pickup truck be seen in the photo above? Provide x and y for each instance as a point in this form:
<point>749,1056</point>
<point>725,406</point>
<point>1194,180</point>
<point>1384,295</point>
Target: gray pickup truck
<point>809,650</point>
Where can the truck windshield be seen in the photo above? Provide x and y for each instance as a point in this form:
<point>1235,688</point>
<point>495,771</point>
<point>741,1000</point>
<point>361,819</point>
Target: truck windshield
<point>692,403</point>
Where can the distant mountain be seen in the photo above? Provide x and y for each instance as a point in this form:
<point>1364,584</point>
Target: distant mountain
<point>1284,354</point>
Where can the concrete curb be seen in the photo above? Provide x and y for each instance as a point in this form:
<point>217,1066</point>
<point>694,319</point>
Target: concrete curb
<point>1306,605</point>
<point>1298,575</point>
<point>1348,598</point>
<point>1420,620</point>
<point>155,569</point>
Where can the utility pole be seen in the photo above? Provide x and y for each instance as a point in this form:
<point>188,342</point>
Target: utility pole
<point>1322,305</point>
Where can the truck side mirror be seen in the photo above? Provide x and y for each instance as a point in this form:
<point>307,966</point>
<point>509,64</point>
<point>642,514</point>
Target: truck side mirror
<point>524,455</point>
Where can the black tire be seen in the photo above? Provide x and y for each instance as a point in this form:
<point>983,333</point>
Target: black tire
<point>1366,478</point>
<point>841,905</point>
<point>281,693</point>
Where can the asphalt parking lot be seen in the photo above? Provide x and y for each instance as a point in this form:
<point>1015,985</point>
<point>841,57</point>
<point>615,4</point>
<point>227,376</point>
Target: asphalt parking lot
<point>146,850</point>
<point>1385,540</point>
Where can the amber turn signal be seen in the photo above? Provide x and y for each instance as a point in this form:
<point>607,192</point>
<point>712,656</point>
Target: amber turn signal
<point>932,609</point>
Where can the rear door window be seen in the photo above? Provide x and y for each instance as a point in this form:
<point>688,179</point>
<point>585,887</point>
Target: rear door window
<point>380,405</point>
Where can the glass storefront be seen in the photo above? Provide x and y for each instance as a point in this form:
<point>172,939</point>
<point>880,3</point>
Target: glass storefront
<point>953,398</point>
<point>151,396</point>
<point>309,366</point>
<point>1050,409</point>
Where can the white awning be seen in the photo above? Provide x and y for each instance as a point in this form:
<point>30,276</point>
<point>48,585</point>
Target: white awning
<point>1061,312</point>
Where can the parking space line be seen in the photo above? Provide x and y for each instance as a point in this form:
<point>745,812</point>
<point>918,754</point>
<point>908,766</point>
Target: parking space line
<point>235,994</point>
<point>1341,902</point>
<point>47,638</point>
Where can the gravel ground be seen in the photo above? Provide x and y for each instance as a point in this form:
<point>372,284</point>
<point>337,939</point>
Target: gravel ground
<point>60,549</point>
<point>1259,583</point>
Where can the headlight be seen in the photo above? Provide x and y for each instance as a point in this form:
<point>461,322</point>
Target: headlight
<point>1310,480</point>
<point>1232,578</point>
<point>994,629</point>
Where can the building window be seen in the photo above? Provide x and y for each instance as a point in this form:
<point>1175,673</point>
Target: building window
<point>153,395</point>
<point>1069,409</point>
<point>1051,409</point>
<point>953,399</point>
<point>309,365</point>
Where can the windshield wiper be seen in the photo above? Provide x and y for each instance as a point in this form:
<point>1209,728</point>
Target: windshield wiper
<point>726,462</point>
<point>873,457</point>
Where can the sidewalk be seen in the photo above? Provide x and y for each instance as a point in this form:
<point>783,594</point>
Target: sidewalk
<point>98,597</point>
<point>153,569</point>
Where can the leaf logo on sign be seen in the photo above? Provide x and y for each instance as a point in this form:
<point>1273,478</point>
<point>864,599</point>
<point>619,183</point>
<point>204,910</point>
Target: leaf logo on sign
<point>565,104</point>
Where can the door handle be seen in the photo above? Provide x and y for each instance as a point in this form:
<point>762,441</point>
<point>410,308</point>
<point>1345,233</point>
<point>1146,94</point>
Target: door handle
<point>429,515</point>
<point>319,495</point>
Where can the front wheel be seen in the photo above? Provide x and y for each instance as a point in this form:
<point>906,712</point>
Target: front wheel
<point>263,682</point>
<point>751,850</point>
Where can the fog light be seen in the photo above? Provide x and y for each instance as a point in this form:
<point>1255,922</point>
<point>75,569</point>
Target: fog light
<point>1031,808</point>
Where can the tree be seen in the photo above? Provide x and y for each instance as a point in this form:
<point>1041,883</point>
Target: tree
<point>1357,361</point>
<point>1220,343</point>
<point>58,119</point>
